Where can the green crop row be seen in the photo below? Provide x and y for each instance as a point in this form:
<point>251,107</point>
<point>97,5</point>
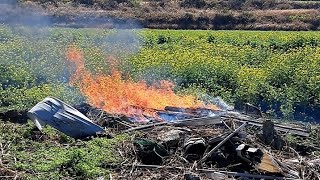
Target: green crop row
<point>278,71</point>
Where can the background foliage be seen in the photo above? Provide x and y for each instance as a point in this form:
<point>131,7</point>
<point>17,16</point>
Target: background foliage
<point>278,71</point>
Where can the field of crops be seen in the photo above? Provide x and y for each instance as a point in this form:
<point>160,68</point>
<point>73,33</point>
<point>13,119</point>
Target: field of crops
<point>277,71</point>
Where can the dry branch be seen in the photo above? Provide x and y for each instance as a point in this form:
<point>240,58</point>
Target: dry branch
<point>205,157</point>
<point>279,127</point>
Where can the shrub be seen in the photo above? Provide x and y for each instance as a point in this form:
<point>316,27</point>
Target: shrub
<point>224,19</point>
<point>193,3</point>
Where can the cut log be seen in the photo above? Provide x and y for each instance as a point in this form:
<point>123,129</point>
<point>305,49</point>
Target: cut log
<point>270,135</point>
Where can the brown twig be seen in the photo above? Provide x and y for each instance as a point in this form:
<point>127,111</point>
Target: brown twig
<point>2,152</point>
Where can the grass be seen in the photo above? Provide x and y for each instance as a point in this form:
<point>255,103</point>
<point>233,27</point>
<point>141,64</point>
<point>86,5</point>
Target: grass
<point>53,155</point>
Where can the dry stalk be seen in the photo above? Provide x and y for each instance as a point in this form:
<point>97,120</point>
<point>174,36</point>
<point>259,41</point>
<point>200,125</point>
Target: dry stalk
<point>184,159</point>
<point>133,166</point>
<point>297,154</point>
<point>2,152</point>
<point>194,165</point>
<point>16,176</point>
<point>123,123</point>
<point>6,177</point>
<point>226,125</point>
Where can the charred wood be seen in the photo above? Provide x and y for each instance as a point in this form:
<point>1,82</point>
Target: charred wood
<point>205,157</point>
<point>258,122</point>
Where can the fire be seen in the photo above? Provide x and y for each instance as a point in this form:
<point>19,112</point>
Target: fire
<point>116,95</point>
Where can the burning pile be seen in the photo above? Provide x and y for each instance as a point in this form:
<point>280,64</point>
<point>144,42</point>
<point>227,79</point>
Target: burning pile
<point>227,147</point>
<point>196,144</point>
<point>207,145</point>
<point>116,95</point>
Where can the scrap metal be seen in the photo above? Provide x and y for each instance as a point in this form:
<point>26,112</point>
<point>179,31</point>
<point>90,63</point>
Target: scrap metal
<point>64,118</point>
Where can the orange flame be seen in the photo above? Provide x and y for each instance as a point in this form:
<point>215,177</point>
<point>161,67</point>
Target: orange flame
<point>116,95</point>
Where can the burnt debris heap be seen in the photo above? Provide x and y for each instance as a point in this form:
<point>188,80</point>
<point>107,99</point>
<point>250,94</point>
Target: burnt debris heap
<point>193,143</point>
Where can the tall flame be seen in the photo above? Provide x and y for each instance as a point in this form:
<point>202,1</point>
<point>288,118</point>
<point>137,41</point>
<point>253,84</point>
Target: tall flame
<point>116,95</point>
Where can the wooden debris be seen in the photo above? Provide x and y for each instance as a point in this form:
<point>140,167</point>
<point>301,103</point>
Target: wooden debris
<point>198,121</point>
<point>259,122</point>
<point>270,135</point>
<point>253,157</point>
<point>314,162</point>
<point>268,164</point>
<point>195,111</point>
<point>186,122</point>
<point>211,142</point>
<point>147,126</point>
<point>205,157</point>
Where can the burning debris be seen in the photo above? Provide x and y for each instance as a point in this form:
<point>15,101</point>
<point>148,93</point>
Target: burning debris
<point>178,134</point>
<point>208,151</point>
<point>136,100</point>
<point>227,145</point>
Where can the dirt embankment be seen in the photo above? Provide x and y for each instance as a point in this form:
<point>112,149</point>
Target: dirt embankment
<point>162,14</point>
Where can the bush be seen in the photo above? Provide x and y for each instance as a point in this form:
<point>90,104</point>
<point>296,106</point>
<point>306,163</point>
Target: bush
<point>193,3</point>
<point>86,2</point>
<point>224,20</point>
<point>107,4</point>
<point>260,4</point>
